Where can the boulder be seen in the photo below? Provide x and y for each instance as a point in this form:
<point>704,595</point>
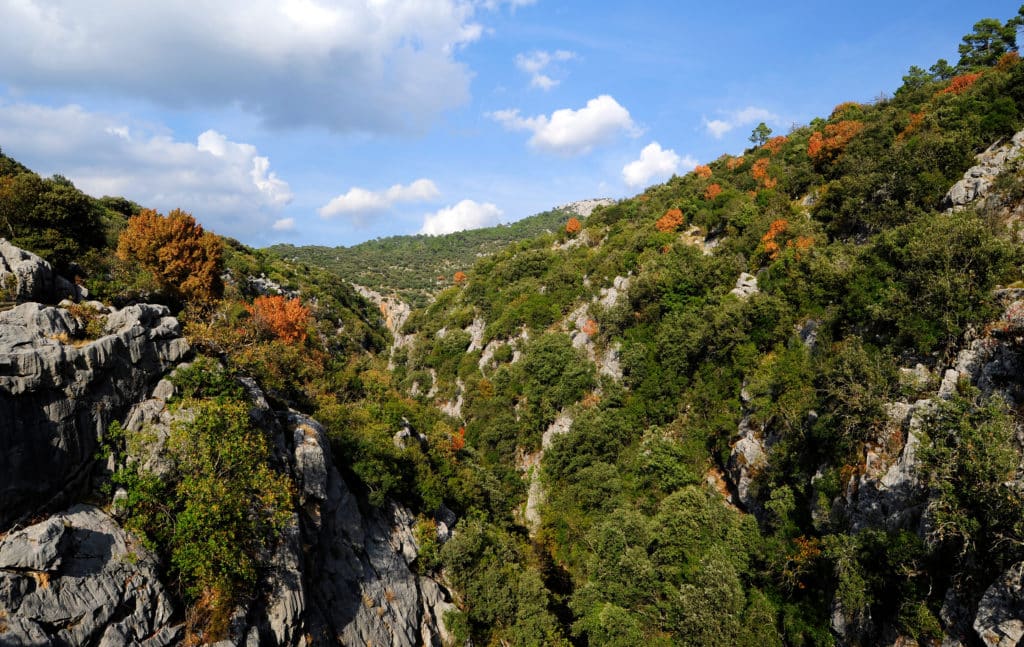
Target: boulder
<point>77,578</point>
<point>1000,618</point>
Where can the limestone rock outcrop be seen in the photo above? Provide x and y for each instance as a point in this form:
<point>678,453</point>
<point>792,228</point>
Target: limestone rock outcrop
<point>77,578</point>
<point>27,277</point>
<point>978,180</point>
<point>59,393</point>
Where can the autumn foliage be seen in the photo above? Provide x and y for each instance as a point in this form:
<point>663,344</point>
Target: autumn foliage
<point>960,84</point>
<point>775,144</point>
<point>830,144</point>
<point>771,245</point>
<point>1007,60</point>
<point>845,108</point>
<point>734,163</point>
<point>712,192</point>
<point>916,119</point>
<point>458,440</point>
<point>760,172</point>
<point>286,319</point>
<point>671,221</point>
<point>460,277</point>
<point>771,241</point>
<point>185,260</point>
<point>590,328</point>
<point>702,171</point>
<point>573,226</point>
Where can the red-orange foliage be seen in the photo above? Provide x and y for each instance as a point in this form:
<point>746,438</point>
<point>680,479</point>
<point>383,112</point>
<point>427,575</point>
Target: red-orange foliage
<point>734,163</point>
<point>760,172</point>
<point>771,246</point>
<point>590,328</point>
<point>573,226</point>
<point>960,84</point>
<point>458,439</point>
<point>184,259</point>
<point>702,171</point>
<point>672,220</point>
<point>712,192</point>
<point>1007,60</point>
<point>916,119</point>
<point>835,138</point>
<point>460,277</point>
<point>286,319</point>
<point>775,144</point>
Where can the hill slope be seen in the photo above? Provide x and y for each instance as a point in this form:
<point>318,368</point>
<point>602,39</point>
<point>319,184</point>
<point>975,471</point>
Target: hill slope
<point>415,267</point>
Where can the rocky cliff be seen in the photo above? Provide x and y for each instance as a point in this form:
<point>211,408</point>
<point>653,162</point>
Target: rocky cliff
<point>342,573</point>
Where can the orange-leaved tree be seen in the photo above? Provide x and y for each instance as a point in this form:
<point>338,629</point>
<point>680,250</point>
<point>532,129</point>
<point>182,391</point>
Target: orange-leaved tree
<point>702,171</point>
<point>286,319</point>
<point>185,260</point>
<point>671,221</point>
<point>573,226</point>
<point>460,277</point>
<point>960,84</point>
<point>771,246</point>
<point>828,146</point>
<point>775,144</point>
<point>713,191</point>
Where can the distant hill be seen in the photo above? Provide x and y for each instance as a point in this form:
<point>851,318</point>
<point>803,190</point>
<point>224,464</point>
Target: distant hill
<point>414,267</point>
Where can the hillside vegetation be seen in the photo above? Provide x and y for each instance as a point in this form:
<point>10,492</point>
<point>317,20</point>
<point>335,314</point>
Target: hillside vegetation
<point>415,267</point>
<point>775,401</point>
<point>691,402</point>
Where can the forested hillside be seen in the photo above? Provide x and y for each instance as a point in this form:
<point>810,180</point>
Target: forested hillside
<point>415,267</point>
<point>774,401</point>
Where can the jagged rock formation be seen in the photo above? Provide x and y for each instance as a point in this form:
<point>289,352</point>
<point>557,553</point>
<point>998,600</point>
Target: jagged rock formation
<point>27,277</point>
<point>59,393</point>
<point>977,182</point>
<point>77,578</point>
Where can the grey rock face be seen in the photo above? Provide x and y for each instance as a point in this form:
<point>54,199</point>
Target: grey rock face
<point>978,180</point>
<point>78,579</point>
<point>361,588</point>
<point>30,278</point>
<point>57,396</point>
<point>746,285</point>
<point>1000,618</point>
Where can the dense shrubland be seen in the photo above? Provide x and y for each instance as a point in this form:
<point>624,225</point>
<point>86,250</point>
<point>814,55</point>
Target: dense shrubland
<point>861,272</point>
<point>642,537</point>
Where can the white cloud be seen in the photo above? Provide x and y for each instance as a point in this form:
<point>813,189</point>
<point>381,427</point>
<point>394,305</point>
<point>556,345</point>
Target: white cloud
<point>467,214</point>
<point>382,66</point>
<point>572,132</point>
<point>284,224</point>
<point>748,116</point>
<point>536,62</point>
<point>361,201</point>
<point>226,185</point>
<point>655,163</point>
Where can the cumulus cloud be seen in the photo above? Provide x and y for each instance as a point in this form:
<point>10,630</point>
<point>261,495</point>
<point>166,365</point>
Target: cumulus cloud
<point>535,64</point>
<point>284,224</point>
<point>749,116</point>
<point>655,163</point>
<point>226,185</point>
<point>348,66</point>
<point>573,132</point>
<point>467,214</point>
<point>360,201</point>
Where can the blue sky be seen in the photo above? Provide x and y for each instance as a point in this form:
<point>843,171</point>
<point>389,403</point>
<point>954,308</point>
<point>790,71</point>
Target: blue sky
<point>331,122</point>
